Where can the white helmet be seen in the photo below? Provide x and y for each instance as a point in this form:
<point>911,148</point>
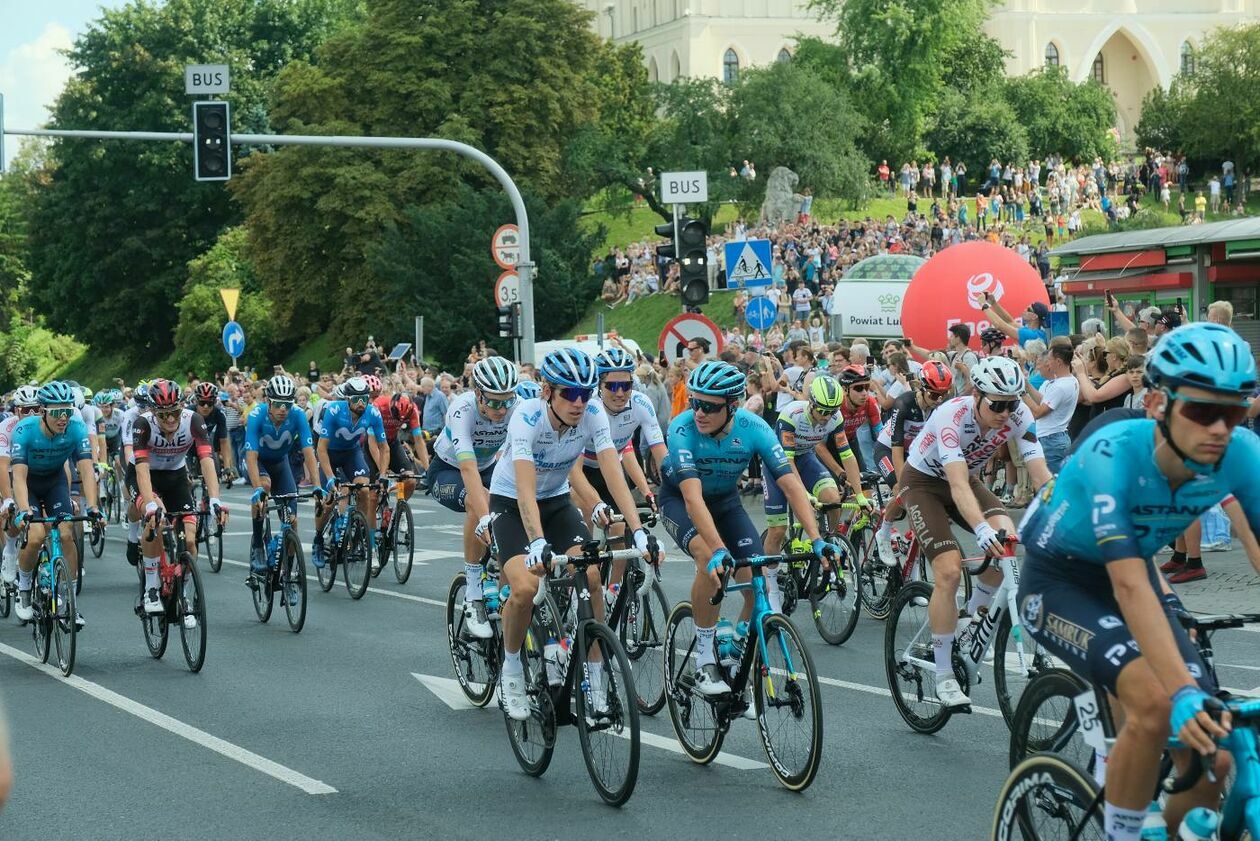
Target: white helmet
<point>26,396</point>
<point>79,401</point>
<point>495,375</point>
<point>998,376</point>
<point>281,387</point>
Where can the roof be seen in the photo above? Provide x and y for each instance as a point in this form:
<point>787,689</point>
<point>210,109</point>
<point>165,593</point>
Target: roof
<point>885,267</point>
<point>1248,227</point>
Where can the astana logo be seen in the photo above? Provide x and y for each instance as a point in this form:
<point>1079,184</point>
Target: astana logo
<point>888,302</point>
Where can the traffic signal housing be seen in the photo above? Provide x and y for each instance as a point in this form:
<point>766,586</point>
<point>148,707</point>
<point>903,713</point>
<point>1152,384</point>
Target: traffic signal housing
<point>693,261</point>
<point>668,251</point>
<point>510,322</point>
<point>212,141</point>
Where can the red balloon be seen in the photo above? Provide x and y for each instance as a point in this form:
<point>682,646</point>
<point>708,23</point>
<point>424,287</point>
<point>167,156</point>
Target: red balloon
<point>948,289</point>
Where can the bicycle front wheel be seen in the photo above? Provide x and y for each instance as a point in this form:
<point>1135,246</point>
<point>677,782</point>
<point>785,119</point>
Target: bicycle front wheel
<point>907,655</point>
<point>214,545</point>
<point>1045,720</point>
<point>641,632</point>
<point>63,615</point>
<point>78,545</point>
<point>191,613</point>
<point>475,660</point>
<point>403,540</point>
<point>534,739</point>
<point>97,543</point>
<point>835,595</point>
<point>1048,797</point>
<point>6,600</point>
<point>327,574</point>
<point>293,582</point>
<point>607,713</point>
<point>694,718</point>
<point>1011,677</point>
<point>356,555</point>
<point>788,703</point>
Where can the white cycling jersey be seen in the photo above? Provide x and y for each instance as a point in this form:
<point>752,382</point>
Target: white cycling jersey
<point>470,434</point>
<point>128,422</point>
<point>952,433</point>
<point>795,418</point>
<point>638,414</point>
<point>531,437</point>
<point>90,413</point>
<point>6,434</point>
<point>112,425</point>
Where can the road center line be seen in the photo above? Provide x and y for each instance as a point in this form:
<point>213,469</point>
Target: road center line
<point>179,728</point>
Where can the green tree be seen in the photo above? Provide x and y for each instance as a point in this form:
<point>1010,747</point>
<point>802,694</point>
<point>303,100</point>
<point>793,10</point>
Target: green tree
<point>1220,115</point>
<point>976,128</point>
<point>1063,117</point>
<point>1162,124</point>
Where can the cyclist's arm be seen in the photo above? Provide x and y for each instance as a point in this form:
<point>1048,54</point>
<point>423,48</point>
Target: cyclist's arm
<point>794,489</point>
<point>321,454</point>
<point>253,433</point>
<point>1034,458</point>
<point>898,459</point>
<point>848,463</point>
<point>580,488</point>
<point>377,442</point>
<point>527,497</point>
<point>637,477</point>
<point>418,447</point>
<point>87,481</point>
<point>20,497</point>
<point>610,465</point>
<point>204,453</point>
<point>1144,614</point>
<point>1233,510</point>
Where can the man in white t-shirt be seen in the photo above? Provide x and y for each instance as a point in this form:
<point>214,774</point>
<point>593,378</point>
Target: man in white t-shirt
<point>1054,403</point>
<point>802,299</point>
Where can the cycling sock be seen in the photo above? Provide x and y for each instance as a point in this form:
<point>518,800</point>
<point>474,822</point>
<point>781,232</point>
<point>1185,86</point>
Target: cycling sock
<point>981,596</point>
<point>512,663</point>
<point>595,670</point>
<point>885,529</point>
<point>772,589</point>
<point>704,645</point>
<point>24,579</point>
<point>151,574</point>
<point>10,545</point>
<point>133,531</point>
<point>942,651</point>
<point>1123,824</point>
<point>472,589</point>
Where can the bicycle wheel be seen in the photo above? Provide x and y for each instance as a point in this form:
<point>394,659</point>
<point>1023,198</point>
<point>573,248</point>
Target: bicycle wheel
<point>475,660</point>
<point>96,541</point>
<point>534,739</point>
<point>113,499</point>
<point>835,596</point>
<point>191,613</point>
<point>879,582</point>
<point>383,549</point>
<point>788,703</point>
<point>403,540</point>
<point>64,628</point>
<point>77,529</point>
<point>356,555</point>
<point>641,632</point>
<point>156,628</point>
<point>607,713</point>
<point>261,586</point>
<point>1010,679</point>
<point>213,534</point>
<point>327,574</point>
<point>1048,797</point>
<point>293,581</point>
<point>1045,720</point>
<point>41,623</point>
<point>695,721</point>
<point>6,600</point>
<point>907,634</point>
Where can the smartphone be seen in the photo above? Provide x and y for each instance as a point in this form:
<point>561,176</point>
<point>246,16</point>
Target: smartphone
<point>1111,299</point>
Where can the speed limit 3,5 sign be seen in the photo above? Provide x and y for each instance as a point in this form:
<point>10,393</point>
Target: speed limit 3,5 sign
<point>507,289</point>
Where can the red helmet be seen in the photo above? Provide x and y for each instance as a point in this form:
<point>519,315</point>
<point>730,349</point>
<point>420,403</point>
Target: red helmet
<point>851,374</point>
<point>936,376</point>
<point>207,392</point>
<point>373,383</point>
<point>164,394</point>
<point>401,405</point>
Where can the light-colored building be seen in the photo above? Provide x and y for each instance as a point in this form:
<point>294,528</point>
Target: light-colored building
<point>1129,45</point>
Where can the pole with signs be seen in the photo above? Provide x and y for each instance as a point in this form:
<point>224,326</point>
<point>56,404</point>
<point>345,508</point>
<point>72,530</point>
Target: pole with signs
<point>419,340</point>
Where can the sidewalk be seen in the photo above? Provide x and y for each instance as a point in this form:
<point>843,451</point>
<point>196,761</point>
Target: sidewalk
<point>1232,585</point>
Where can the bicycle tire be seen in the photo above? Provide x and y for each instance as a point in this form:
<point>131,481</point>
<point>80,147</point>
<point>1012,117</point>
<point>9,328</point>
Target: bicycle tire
<point>403,541</point>
<point>64,627</point>
<point>214,545</point>
<point>836,605</point>
<point>685,704</point>
<point>356,555</point>
<point>878,586</point>
<point>40,627</point>
<point>261,589</point>
<point>1045,719</point>
<point>904,622</point>
<point>641,631</point>
<point>777,630</point>
<point>623,718</point>
<point>383,547</point>
<point>192,639</point>
<point>327,574</point>
<point>77,530</point>
<point>1045,785</point>
<point>97,543</point>
<point>470,657</point>
<point>1011,685</point>
<point>533,740</point>
<point>6,600</point>
<point>293,580</point>
<point>155,627</point>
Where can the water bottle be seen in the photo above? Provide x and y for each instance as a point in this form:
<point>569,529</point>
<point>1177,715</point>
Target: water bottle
<point>551,658</point>
<point>1154,828</point>
<point>504,593</point>
<point>1200,824</point>
<point>725,641</point>
<point>610,595</point>
<point>566,649</point>
<point>491,596</point>
<point>45,581</point>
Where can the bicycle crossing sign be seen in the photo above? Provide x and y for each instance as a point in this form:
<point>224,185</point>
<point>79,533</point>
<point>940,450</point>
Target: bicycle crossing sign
<point>748,263</point>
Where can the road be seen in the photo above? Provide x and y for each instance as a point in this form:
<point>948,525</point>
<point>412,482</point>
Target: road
<point>353,729</point>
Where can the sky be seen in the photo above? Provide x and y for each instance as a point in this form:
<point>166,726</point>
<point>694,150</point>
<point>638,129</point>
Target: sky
<point>32,71</point>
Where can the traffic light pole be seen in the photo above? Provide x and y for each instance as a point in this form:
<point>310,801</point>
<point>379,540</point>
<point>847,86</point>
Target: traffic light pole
<point>524,268</point>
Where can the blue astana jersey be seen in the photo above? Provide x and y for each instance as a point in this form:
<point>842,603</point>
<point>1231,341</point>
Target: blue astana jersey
<point>44,455</point>
<point>718,464</point>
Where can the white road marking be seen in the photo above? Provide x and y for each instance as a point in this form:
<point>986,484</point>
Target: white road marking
<point>179,728</point>
<point>1237,666</point>
<point>447,690</point>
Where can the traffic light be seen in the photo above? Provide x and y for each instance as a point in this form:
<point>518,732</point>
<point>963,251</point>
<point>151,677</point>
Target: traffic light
<point>212,141</point>
<point>693,261</point>
<point>510,322</point>
<point>669,251</point>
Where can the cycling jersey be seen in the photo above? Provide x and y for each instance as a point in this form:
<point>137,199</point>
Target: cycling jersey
<point>718,464</point>
<point>344,431</point>
<point>470,434</point>
<point>410,421</point>
<point>6,434</point>
<point>169,452</point>
<point>111,425</point>
<point>216,424</point>
<point>905,419</point>
<point>273,442</point>
<point>799,434</point>
<point>43,455</point>
<point>127,425</point>
<point>856,418</point>
<point>638,414</point>
<point>91,415</point>
<point>952,433</point>
<point>531,437</point>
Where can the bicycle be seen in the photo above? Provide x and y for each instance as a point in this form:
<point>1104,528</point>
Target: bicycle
<point>209,532</point>
<point>53,596</point>
<point>111,493</point>
<point>909,662</point>
<point>476,660</point>
<point>182,594</point>
<point>396,532</point>
<point>561,688</point>
<point>345,539</point>
<point>788,687</point>
<point>286,566</point>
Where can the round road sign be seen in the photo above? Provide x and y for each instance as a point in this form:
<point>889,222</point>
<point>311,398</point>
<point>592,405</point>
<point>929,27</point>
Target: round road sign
<point>682,329</point>
<point>505,247</point>
<point>507,289</point>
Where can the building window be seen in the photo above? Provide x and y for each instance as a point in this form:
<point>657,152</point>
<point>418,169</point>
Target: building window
<point>783,55</point>
<point>1052,55</point>
<point>730,67</point>
<point>675,67</point>
<point>654,75</point>
<point>1242,296</point>
<point>1187,59</point>
<point>1098,72</point>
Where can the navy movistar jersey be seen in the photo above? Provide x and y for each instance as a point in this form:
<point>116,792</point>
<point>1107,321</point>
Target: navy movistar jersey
<point>44,455</point>
<point>718,463</point>
<point>273,442</point>
<point>345,432</point>
<point>1110,501</point>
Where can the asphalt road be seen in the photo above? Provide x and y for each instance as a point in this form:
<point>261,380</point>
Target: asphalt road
<point>345,731</point>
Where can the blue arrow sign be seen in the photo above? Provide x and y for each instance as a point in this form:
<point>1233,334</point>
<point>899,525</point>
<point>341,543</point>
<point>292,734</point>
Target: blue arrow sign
<point>233,339</point>
<point>760,313</point>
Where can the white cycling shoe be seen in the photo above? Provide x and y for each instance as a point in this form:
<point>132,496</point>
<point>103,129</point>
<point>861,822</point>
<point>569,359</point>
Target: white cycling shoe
<point>596,704</point>
<point>475,622</point>
<point>512,697</point>
<point>887,555</point>
<point>23,609</point>
<point>950,694</point>
<point>709,680</point>
<point>153,602</point>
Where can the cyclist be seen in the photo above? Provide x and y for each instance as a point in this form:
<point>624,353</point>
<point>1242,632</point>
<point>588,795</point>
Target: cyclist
<point>141,398</point>
<point>1090,592</point>
<point>271,430</point>
<point>109,425</point>
<point>905,419</point>
<point>342,426</point>
<point>710,445</point>
<point>941,483</point>
<point>463,458</point>
<point>803,429</point>
<point>25,403</point>
<point>40,451</point>
<point>207,405</point>
<point>399,413</point>
<point>529,493</point>
<point>861,415</point>
<point>528,390</point>
<point>161,440</point>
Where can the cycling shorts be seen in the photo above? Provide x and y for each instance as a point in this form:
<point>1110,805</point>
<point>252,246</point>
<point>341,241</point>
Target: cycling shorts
<point>931,508</point>
<point>173,488</point>
<point>816,477</point>
<point>733,524</point>
<point>280,472</point>
<point>446,484</point>
<point>349,464</point>
<point>400,460</point>
<point>561,521</point>
<point>49,493</point>
<point>596,477</point>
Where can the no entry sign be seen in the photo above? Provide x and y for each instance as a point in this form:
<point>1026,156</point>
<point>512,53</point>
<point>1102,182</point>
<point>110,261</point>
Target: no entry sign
<point>683,328</point>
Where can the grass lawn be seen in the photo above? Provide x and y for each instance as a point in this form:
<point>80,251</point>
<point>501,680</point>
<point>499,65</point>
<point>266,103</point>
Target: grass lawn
<point>642,321</point>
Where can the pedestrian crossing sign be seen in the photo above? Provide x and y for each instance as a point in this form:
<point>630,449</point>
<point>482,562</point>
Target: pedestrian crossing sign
<point>748,263</point>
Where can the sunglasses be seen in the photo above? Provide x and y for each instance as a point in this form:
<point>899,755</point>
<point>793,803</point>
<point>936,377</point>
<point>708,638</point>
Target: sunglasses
<point>705,407</point>
<point>499,404</point>
<point>357,401</point>
<point>206,404</point>
<point>617,387</point>
<point>167,414</point>
<point>575,394</point>
<point>1208,412</point>
<point>60,413</point>
<point>935,395</point>
<point>280,404</point>
<point>823,412</point>
<point>859,389</point>
<point>1001,406</point>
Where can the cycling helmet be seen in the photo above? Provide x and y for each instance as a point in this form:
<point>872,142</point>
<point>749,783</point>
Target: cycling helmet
<point>281,387</point>
<point>355,388</point>
<point>999,376</point>
<point>569,367</point>
<point>936,376</point>
<point>825,392</point>
<point>614,359</point>
<point>494,374</point>
<point>719,379</point>
<point>339,391</point>
<point>55,393</point>
<point>164,394</point>
<point>77,391</point>
<point>1203,355</point>
<point>104,398</point>
<point>528,389</point>
<point>207,392</point>
<point>142,394</point>
<point>855,373</point>
<point>373,383</point>
<point>401,405</point>
<point>87,394</point>
<point>26,397</point>
<point>992,336</point>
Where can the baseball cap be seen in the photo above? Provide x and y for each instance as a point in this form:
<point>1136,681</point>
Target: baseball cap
<point>1041,310</point>
<point>1169,319</point>
<point>1149,315</point>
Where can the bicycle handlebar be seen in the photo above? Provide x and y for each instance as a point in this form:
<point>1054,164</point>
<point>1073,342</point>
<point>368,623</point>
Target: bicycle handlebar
<point>1215,708</point>
<point>555,562</point>
<point>98,525</point>
<point>1010,541</point>
<point>755,562</point>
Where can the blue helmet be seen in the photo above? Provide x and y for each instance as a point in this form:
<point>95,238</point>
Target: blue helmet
<point>528,389</point>
<point>54,393</point>
<point>720,379</point>
<point>1203,355</point>
<point>614,359</point>
<point>142,395</point>
<point>569,367</point>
